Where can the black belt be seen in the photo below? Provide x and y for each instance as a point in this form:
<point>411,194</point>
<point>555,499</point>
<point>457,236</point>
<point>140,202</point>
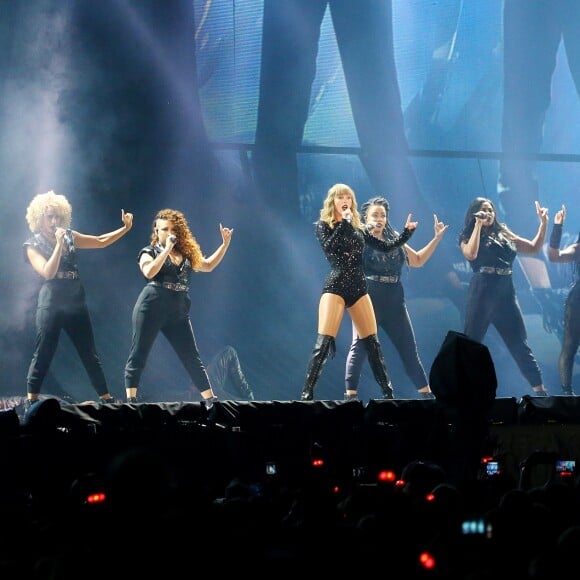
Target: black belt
<point>177,286</point>
<point>67,275</point>
<point>499,271</point>
<point>384,279</point>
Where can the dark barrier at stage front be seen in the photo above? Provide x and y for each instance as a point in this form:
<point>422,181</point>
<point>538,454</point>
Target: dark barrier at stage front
<point>326,419</point>
<point>242,437</point>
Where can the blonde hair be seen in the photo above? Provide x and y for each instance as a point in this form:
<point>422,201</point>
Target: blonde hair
<point>327,211</point>
<point>186,242</point>
<point>43,201</point>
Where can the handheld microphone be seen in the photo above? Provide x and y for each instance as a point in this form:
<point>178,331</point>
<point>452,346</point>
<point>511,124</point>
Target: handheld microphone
<point>69,241</point>
<point>171,238</point>
<point>371,226</point>
<point>482,215</point>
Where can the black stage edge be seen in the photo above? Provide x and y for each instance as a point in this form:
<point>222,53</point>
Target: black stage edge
<point>59,442</point>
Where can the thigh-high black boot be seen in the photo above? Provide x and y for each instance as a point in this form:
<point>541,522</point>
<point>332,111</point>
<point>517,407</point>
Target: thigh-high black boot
<point>378,366</point>
<point>323,347</point>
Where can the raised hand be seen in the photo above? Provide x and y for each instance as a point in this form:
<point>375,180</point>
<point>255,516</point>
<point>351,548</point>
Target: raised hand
<point>542,212</point>
<point>226,234</point>
<point>560,216</point>
<point>410,225</point>
<point>439,227</point>
<point>127,219</point>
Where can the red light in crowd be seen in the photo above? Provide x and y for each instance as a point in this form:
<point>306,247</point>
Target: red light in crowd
<point>318,463</point>
<point>430,497</point>
<point>427,561</point>
<point>400,483</point>
<point>386,475</point>
<point>96,497</point>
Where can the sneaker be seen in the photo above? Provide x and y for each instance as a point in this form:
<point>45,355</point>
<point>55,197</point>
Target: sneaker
<point>568,391</point>
<point>540,393</point>
<point>351,397</point>
<point>132,400</point>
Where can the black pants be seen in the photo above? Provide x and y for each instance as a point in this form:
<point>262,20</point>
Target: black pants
<point>571,338</point>
<point>393,317</point>
<point>166,311</point>
<point>492,300</point>
<point>62,306</point>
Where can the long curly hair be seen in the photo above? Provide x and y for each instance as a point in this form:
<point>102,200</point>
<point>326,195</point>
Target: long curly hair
<point>186,244</point>
<point>49,200</point>
<point>327,211</point>
<point>498,228</point>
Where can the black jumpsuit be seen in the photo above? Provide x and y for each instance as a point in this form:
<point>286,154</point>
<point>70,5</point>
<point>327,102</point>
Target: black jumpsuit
<point>492,299</point>
<point>571,338</point>
<point>163,306</point>
<point>388,299</point>
<point>62,305</point>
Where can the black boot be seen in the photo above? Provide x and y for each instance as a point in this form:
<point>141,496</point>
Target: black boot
<point>237,374</point>
<point>323,347</point>
<point>378,365</point>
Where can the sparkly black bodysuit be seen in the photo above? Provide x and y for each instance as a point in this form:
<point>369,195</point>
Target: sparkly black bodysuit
<point>343,247</point>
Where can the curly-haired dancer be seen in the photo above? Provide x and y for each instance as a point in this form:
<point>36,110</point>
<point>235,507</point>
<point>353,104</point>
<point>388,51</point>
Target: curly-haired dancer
<point>61,301</point>
<point>163,304</point>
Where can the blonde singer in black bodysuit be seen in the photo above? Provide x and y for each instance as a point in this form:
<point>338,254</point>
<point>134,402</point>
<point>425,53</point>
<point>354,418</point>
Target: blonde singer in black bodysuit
<point>342,237</point>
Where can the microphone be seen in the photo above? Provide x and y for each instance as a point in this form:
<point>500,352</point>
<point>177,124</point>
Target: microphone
<point>482,215</point>
<point>171,238</point>
<point>371,226</point>
<point>69,241</point>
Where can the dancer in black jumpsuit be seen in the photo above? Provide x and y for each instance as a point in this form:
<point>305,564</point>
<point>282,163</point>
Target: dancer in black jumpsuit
<point>61,301</point>
<point>570,253</point>
<point>383,274</point>
<point>491,248</point>
<point>163,304</point>
<point>342,238</point>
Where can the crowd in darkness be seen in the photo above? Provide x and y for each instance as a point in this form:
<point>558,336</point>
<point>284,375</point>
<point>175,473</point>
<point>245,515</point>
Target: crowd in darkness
<point>139,509</point>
